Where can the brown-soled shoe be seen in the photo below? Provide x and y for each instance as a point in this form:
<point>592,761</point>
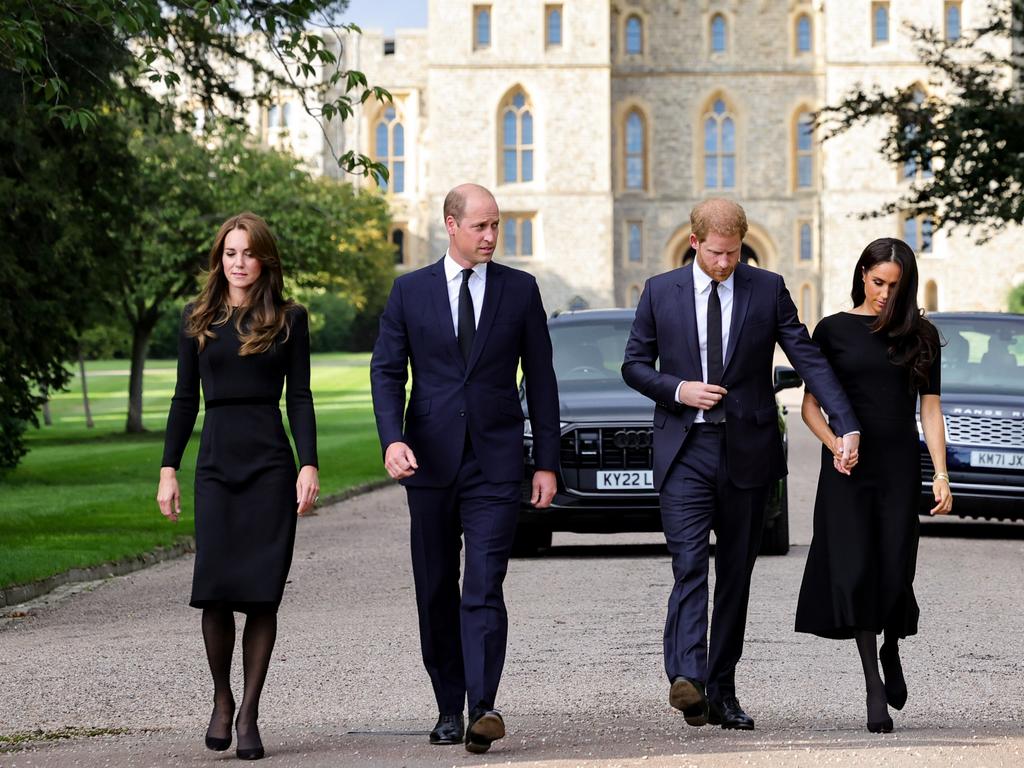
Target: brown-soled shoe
<point>448,730</point>
<point>485,727</point>
<point>687,696</point>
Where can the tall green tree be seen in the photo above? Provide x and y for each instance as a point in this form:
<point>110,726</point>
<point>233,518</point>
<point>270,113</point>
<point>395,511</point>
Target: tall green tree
<point>970,131</point>
<point>147,49</point>
<point>61,201</point>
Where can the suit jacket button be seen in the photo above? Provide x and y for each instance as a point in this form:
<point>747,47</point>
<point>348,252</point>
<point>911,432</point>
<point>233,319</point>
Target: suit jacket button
<point>462,413</point>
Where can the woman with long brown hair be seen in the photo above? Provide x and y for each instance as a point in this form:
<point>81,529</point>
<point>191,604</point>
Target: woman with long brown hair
<point>859,577</point>
<point>240,340</point>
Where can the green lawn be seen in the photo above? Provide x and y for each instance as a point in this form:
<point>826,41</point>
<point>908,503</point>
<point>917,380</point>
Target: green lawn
<point>87,496</point>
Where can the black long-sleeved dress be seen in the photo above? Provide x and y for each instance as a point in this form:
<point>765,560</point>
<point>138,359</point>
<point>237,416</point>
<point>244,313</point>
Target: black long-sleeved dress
<point>245,501</point>
<point>860,567</point>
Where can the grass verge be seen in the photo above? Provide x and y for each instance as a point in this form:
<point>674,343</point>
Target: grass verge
<point>83,497</point>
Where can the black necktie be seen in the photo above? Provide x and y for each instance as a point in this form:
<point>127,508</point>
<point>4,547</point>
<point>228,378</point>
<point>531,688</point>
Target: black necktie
<point>715,367</point>
<point>467,320</point>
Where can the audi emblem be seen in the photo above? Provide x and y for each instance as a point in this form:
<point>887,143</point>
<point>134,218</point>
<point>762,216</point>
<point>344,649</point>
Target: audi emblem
<point>632,438</point>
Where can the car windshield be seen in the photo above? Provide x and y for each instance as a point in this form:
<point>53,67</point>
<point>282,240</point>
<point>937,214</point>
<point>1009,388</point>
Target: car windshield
<point>589,351</point>
<point>982,355</point>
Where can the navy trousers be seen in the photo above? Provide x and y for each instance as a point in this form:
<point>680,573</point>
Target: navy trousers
<point>696,498</point>
<point>463,638</point>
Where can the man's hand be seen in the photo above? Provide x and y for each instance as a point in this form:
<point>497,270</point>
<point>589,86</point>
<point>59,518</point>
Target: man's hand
<point>399,461</point>
<point>697,394</point>
<point>851,450</point>
<point>544,486</point>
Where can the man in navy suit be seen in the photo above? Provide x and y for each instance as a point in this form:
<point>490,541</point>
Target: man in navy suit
<point>712,327</point>
<point>464,324</point>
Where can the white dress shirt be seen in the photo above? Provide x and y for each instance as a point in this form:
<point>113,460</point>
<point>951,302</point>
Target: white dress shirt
<point>477,282</point>
<point>701,294</point>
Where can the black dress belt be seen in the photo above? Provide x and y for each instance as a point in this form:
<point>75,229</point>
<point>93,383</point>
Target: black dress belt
<point>223,401</point>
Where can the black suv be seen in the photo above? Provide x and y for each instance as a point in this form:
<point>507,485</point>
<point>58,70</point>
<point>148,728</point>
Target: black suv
<point>983,407</point>
<point>606,480</point>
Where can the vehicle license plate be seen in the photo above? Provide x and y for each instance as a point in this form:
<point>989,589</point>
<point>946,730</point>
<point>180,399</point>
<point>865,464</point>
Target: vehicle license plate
<point>611,479</point>
<point>1000,459</point>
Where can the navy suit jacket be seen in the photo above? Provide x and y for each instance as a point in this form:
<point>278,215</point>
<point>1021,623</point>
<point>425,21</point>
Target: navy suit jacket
<point>665,331</point>
<point>450,395</point>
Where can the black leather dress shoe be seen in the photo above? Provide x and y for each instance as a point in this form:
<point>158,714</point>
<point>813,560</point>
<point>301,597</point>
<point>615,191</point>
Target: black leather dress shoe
<point>485,727</point>
<point>728,713</point>
<point>449,730</point>
<point>687,696</point>
<point>892,671</point>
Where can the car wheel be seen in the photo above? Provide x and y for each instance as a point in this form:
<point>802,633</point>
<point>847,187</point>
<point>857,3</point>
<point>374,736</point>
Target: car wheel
<point>531,540</point>
<point>775,538</point>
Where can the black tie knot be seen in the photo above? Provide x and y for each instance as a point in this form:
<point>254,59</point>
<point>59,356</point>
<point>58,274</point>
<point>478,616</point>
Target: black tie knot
<point>466,274</point>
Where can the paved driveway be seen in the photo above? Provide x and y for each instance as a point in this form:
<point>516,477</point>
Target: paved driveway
<point>119,670</point>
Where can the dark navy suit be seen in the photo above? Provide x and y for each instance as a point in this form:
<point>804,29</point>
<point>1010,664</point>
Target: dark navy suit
<point>464,423</point>
<point>717,476</point>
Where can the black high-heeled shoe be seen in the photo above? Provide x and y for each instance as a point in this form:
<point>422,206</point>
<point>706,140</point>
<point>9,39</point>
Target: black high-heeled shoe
<point>249,753</point>
<point>892,671</point>
<point>882,726</point>
<point>255,753</point>
<point>217,743</point>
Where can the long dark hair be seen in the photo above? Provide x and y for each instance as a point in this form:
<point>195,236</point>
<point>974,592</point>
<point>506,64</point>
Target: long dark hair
<point>913,341</point>
<point>266,310</point>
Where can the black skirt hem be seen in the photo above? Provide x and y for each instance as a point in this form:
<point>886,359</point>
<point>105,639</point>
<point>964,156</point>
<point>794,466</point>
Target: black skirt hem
<point>238,606</point>
<point>848,633</point>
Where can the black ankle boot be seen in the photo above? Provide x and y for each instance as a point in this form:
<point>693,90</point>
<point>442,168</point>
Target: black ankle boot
<point>892,671</point>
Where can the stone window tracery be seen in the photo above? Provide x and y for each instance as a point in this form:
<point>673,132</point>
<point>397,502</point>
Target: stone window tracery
<point>516,120</point>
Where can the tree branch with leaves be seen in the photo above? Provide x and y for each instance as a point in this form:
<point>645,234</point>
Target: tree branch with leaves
<point>969,131</point>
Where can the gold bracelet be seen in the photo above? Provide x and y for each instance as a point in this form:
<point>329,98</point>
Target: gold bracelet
<point>940,476</point>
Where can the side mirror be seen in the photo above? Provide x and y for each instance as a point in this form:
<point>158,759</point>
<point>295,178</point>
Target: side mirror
<point>785,378</point>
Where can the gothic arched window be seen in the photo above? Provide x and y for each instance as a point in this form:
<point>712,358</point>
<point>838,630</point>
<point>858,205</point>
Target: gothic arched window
<point>635,146</point>
<point>389,150</point>
<point>516,139</point>
<point>719,148</point>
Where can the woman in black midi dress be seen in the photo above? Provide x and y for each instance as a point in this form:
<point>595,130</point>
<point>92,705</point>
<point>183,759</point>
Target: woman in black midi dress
<point>240,340</point>
<point>859,577</point>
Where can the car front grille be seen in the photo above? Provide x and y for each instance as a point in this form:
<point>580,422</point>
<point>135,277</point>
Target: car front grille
<point>619,447</point>
<point>985,431</point>
<point>927,467</point>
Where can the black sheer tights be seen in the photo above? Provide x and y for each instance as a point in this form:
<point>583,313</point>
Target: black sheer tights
<point>219,638</point>
<point>867,646</point>
<point>258,639</point>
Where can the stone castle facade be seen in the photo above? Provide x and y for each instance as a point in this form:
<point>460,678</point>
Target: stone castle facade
<point>598,125</point>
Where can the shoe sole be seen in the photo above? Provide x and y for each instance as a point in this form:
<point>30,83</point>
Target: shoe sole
<point>483,733</point>
<point>728,727</point>
<point>445,742</point>
<point>684,696</point>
